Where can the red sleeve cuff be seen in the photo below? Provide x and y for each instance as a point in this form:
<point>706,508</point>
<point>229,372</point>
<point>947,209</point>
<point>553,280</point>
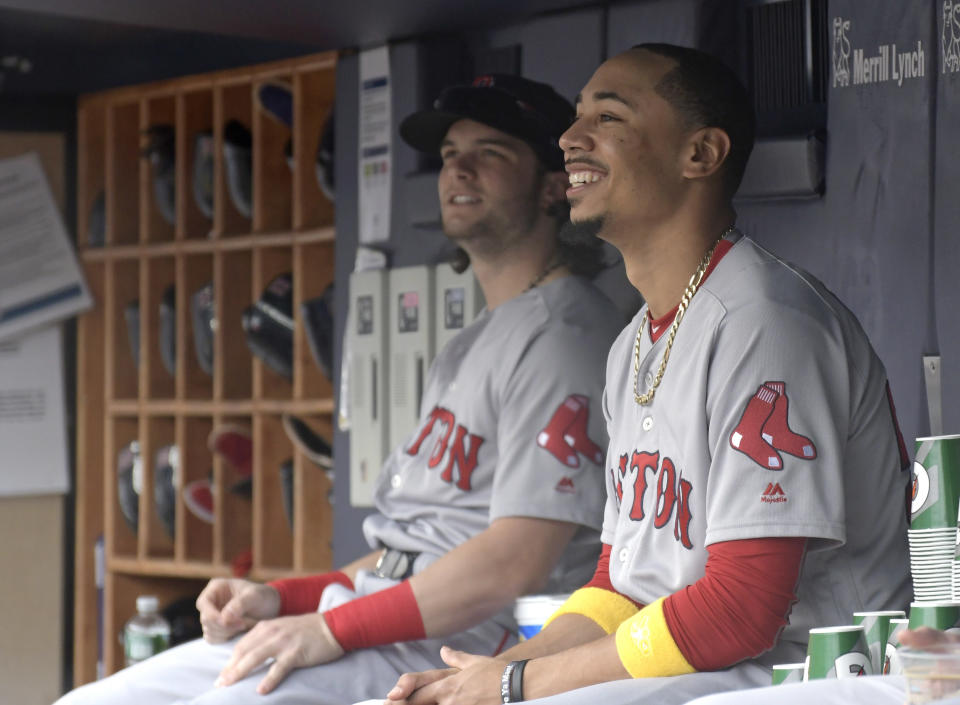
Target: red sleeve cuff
<point>302,595</point>
<point>385,617</point>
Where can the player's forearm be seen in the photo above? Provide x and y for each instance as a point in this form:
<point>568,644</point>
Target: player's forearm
<point>487,573</point>
<point>589,663</point>
<point>565,632</point>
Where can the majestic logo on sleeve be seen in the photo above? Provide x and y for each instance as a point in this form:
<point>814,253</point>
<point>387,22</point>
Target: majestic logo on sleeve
<point>455,444</point>
<point>774,494</point>
<point>565,436</point>
<point>763,431</point>
<point>671,499</point>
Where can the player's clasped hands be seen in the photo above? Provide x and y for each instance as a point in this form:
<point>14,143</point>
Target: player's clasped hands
<point>470,680</point>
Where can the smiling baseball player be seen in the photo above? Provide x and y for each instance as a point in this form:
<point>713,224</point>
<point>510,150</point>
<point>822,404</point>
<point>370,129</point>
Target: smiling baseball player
<point>497,492</point>
<point>755,475</point>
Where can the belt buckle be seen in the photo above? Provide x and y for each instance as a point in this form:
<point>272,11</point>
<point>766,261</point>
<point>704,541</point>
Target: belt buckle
<point>394,564</point>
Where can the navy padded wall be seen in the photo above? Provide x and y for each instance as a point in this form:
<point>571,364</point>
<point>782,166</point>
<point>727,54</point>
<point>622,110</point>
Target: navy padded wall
<point>562,50</point>
<point>670,21</point>
<point>946,60</point>
<point>869,237</point>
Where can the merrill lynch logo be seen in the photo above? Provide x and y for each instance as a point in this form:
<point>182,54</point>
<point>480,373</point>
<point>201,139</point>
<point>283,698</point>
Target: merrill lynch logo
<point>887,64</point>
<point>950,36</point>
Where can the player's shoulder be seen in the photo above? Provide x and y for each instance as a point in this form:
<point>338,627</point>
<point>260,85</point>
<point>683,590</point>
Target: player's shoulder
<point>572,305</point>
<point>751,282</point>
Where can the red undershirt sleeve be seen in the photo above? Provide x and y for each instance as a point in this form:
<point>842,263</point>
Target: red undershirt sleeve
<point>738,608</point>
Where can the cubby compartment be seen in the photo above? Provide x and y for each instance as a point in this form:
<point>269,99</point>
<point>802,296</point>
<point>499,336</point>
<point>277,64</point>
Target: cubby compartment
<point>234,483</point>
<point>123,475</point>
<point>124,341</point>
<point>233,159</point>
<point>196,326</point>
<point>273,496</point>
<point>195,161</point>
<point>196,490</point>
<point>91,165</point>
<point>158,169</point>
<point>233,271</point>
<point>120,604</point>
<point>312,496</point>
<point>161,460</point>
<point>269,323</point>
<point>158,321</point>
<point>312,146</point>
<point>313,270</point>
<point>273,150</point>
<point>123,173</point>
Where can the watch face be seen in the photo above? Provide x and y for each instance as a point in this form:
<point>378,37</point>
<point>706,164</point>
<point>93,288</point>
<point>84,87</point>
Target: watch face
<point>393,564</point>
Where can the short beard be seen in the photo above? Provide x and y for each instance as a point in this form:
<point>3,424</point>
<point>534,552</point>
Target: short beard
<point>581,232</point>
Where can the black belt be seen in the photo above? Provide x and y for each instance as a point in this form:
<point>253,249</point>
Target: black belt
<point>395,564</point>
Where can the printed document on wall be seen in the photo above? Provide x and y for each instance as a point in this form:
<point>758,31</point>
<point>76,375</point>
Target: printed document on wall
<point>32,415</point>
<point>375,152</point>
<point>40,278</point>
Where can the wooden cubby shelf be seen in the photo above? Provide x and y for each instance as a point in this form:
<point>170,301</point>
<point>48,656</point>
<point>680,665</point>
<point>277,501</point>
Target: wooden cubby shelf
<point>186,188</point>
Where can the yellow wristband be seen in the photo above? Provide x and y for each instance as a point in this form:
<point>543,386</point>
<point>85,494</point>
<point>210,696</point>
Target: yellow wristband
<point>608,609</point>
<point>646,647</point>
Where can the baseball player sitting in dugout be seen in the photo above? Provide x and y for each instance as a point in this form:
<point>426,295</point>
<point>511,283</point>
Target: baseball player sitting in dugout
<point>499,490</point>
<point>755,475</point>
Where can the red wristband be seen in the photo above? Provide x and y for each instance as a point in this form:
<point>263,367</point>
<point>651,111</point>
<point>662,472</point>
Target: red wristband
<point>385,617</point>
<point>302,595</point>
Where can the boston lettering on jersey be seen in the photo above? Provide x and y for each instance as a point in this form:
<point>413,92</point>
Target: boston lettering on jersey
<point>671,498</point>
<point>455,443</point>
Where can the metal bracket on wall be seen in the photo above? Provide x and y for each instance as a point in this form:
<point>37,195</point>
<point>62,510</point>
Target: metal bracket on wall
<point>931,377</point>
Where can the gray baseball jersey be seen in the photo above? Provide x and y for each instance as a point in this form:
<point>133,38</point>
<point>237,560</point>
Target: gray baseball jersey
<point>773,419</point>
<point>510,426</point>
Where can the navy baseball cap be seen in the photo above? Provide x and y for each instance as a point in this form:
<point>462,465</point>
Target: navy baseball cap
<point>526,109</point>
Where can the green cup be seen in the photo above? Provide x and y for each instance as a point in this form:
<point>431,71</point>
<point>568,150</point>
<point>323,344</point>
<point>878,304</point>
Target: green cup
<point>939,615</point>
<point>935,494</point>
<point>876,628</point>
<point>788,673</point>
<point>891,663</point>
<point>837,652</point>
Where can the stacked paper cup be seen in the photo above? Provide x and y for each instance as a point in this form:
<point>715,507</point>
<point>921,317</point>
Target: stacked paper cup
<point>933,518</point>
<point>955,568</point>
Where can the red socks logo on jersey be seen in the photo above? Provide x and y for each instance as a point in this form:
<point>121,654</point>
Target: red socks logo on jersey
<point>763,431</point>
<point>565,436</point>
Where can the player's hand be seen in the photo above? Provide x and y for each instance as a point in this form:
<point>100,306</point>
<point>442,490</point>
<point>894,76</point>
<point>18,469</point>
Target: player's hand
<point>927,638</point>
<point>409,682</point>
<point>471,680</point>
<point>293,642</point>
<point>228,606</point>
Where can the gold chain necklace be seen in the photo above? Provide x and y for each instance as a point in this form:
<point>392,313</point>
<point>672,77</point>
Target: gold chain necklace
<point>692,286</point>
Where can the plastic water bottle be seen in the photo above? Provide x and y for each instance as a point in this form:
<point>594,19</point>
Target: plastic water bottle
<point>147,633</point>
